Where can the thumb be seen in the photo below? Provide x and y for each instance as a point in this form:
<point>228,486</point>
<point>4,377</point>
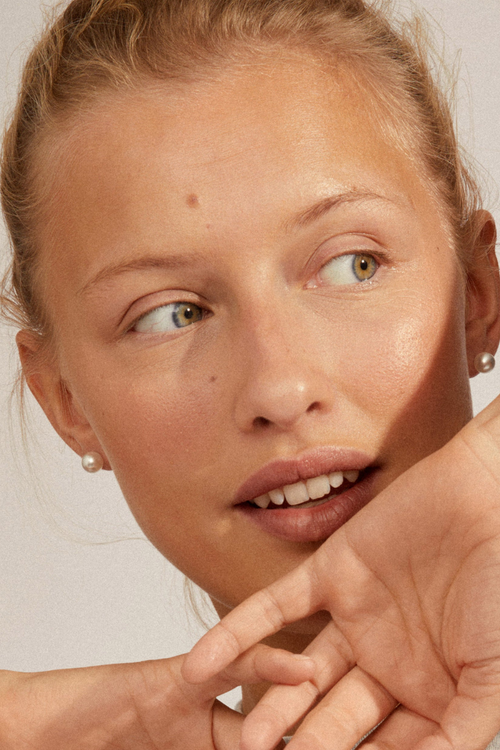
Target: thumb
<point>470,722</point>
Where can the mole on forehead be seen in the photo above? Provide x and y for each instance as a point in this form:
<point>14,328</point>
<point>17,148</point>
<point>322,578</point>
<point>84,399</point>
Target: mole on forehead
<point>192,200</point>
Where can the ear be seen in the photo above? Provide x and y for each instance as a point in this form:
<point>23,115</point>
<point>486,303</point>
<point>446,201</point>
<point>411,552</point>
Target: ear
<point>483,292</point>
<point>44,380</point>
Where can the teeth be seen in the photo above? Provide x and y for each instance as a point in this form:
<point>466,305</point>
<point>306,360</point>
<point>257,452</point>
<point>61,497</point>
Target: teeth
<point>351,476</point>
<point>277,496</point>
<point>304,492</point>
<point>296,493</point>
<point>262,501</point>
<point>318,487</point>
<point>336,479</point>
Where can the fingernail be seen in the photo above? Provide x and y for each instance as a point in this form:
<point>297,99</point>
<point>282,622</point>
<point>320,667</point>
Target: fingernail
<point>305,659</point>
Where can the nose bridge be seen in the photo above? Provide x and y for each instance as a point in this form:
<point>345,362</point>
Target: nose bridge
<point>282,376</point>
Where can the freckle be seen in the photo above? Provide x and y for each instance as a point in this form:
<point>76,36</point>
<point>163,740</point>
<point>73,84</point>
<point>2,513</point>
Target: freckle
<point>192,201</point>
<point>213,378</point>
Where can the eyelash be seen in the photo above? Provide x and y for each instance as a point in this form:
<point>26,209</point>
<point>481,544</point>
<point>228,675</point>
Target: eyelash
<point>358,264</point>
<point>190,309</point>
<point>183,308</point>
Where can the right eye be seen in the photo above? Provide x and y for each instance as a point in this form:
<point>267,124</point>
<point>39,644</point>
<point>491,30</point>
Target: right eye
<point>169,318</point>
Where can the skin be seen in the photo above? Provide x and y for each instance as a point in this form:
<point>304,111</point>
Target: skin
<point>140,706</point>
<point>415,610</point>
<point>284,360</point>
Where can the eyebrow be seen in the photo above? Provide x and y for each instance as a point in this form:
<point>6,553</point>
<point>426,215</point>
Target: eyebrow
<point>317,210</point>
<point>146,263</point>
<point>173,262</point>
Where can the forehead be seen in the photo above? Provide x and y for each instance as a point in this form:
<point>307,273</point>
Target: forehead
<point>260,140</point>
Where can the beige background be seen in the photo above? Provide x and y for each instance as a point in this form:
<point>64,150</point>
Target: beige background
<point>79,584</point>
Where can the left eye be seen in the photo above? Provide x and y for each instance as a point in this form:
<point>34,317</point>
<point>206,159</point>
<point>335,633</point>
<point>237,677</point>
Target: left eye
<point>168,318</point>
<point>349,269</point>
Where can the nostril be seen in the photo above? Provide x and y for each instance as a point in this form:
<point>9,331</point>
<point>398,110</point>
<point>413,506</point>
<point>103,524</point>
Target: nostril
<point>315,406</point>
<point>284,419</point>
<point>261,422</point>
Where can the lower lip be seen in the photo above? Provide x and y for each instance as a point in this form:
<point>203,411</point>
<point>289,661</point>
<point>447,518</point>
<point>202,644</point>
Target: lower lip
<point>313,524</point>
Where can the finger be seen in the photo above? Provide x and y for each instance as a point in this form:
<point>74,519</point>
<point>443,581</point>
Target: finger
<point>351,709</point>
<point>290,598</point>
<point>283,706</point>
<point>226,728</point>
<point>265,664</point>
<point>275,714</point>
<point>259,664</point>
<point>400,731</point>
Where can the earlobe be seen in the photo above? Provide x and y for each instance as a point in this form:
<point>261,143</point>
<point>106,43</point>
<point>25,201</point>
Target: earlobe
<point>44,380</point>
<point>483,293</point>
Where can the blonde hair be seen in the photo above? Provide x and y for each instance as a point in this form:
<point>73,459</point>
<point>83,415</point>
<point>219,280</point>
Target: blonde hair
<point>98,45</point>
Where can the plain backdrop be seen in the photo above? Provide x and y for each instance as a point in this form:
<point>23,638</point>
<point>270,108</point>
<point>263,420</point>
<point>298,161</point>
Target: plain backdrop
<point>79,584</point>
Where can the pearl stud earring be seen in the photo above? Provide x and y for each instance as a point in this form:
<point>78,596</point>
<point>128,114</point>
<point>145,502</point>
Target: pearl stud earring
<point>484,362</point>
<point>92,462</point>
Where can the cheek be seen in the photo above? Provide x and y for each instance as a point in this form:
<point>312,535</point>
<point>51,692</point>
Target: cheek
<point>164,423</point>
<point>170,458</point>
<point>408,371</point>
<point>391,363</point>
<point>394,359</point>
<point>159,434</point>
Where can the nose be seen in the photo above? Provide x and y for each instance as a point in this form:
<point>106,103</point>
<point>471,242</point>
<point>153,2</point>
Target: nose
<point>283,380</point>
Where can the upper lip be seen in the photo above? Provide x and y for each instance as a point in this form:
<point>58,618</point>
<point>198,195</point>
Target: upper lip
<point>312,463</point>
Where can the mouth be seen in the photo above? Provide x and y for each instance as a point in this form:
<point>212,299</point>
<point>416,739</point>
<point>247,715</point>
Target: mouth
<point>310,493</point>
<point>308,498</point>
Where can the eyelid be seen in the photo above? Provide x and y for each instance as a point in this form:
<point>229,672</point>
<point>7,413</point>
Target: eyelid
<point>347,243</point>
<point>349,267</point>
<point>380,257</point>
<point>170,330</point>
<point>165,298</point>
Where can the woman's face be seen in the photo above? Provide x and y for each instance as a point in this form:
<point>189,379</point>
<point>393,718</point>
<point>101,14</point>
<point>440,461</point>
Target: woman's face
<point>251,286</point>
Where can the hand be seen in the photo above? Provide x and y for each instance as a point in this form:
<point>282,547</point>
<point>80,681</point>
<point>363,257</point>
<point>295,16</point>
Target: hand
<point>143,706</point>
<point>412,583</point>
